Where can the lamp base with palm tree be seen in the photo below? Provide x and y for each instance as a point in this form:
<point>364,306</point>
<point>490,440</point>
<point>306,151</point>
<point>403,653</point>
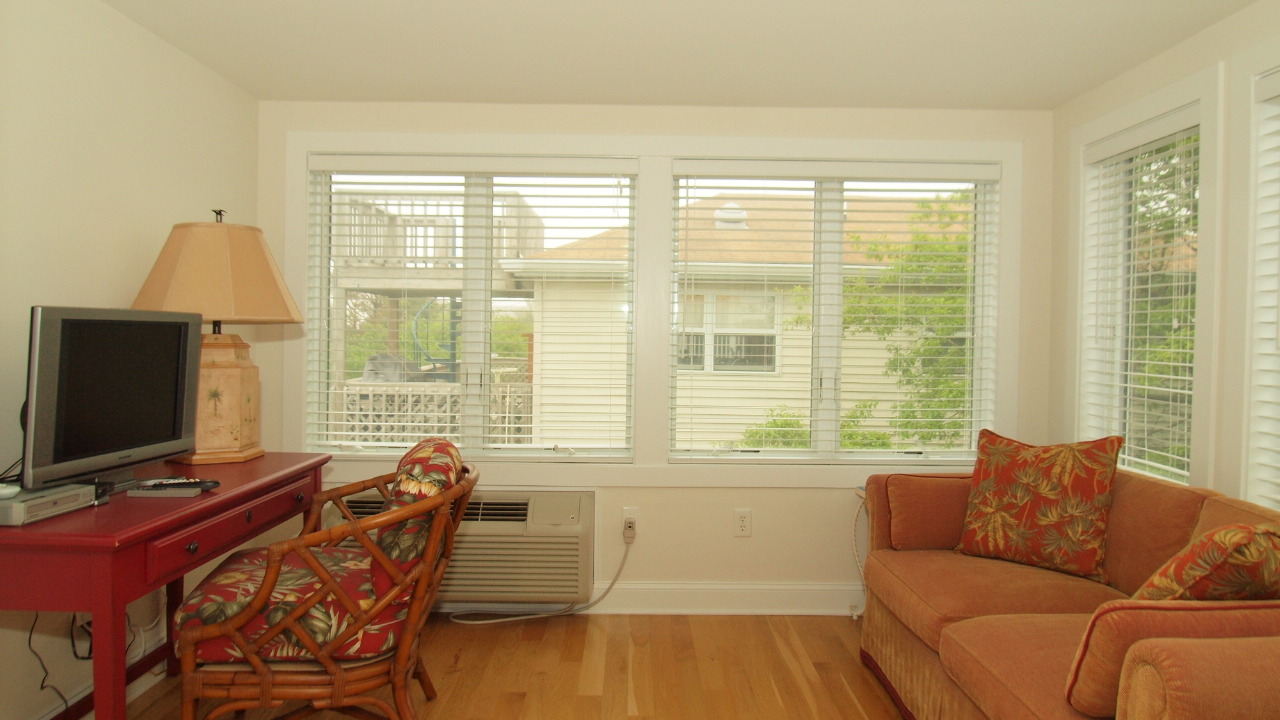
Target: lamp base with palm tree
<point>227,428</point>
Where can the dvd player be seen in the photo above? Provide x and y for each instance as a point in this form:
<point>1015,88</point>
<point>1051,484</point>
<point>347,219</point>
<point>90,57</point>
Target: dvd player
<point>28,506</point>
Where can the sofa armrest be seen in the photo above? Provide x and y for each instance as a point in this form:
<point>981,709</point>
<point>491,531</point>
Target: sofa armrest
<point>917,511</point>
<point>1093,685</point>
<point>1195,678</point>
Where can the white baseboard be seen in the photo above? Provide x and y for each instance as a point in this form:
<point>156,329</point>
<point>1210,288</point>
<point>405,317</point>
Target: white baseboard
<point>716,598</point>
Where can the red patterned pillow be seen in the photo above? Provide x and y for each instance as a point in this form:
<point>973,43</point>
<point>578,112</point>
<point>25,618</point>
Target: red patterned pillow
<point>1041,505</point>
<point>1233,562</point>
<point>428,469</point>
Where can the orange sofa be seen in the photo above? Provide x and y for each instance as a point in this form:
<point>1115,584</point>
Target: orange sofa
<point>956,637</point>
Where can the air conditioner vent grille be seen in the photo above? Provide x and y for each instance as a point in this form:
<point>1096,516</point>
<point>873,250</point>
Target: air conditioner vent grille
<point>482,510</point>
<point>363,507</point>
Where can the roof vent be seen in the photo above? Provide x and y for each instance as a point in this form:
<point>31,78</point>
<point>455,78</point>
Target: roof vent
<point>731,216</point>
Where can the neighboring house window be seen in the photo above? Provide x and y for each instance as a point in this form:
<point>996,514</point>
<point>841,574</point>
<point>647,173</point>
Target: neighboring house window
<point>487,305</point>
<point>1139,301</point>
<point>834,315</point>
<point>741,330</point>
<point>1264,432</point>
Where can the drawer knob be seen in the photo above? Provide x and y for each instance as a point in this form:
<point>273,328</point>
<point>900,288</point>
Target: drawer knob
<point>193,547</point>
<point>248,516</point>
<point>299,496</point>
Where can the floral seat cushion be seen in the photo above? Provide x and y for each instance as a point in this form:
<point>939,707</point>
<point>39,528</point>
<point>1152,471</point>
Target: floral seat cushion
<point>232,585</point>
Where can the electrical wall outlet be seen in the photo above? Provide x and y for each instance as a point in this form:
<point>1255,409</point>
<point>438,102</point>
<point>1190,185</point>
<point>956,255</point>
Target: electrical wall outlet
<point>742,522</point>
<point>630,518</point>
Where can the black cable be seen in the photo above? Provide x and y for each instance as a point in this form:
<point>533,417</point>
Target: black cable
<point>75,650</point>
<point>8,474</point>
<point>44,685</point>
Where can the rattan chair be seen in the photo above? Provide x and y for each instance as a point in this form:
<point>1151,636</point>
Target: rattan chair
<point>335,614</point>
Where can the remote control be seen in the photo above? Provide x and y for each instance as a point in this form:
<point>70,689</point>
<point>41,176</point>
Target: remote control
<point>180,482</point>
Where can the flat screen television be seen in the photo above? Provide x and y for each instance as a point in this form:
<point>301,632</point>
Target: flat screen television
<point>107,390</point>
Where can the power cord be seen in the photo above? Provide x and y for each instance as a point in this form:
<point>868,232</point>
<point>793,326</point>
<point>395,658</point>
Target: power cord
<point>44,679</point>
<point>861,492</point>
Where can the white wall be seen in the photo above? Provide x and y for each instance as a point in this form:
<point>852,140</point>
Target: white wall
<point>1214,69</point>
<point>107,138</point>
<point>686,559</point>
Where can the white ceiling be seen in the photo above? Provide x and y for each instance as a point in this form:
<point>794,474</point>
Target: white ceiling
<point>993,54</point>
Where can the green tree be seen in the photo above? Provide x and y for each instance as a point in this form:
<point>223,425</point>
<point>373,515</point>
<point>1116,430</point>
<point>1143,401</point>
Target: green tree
<point>920,303</point>
<point>1159,305</point>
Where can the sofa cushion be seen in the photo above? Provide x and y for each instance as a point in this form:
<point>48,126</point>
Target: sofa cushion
<point>1233,562</point>
<point>1094,678</point>
<point>1011,666</point>
<point>429,468</point>
<point>926,512</point>
<point>930,589</point>
<point>1137,547</point>
<point>1041,505</point>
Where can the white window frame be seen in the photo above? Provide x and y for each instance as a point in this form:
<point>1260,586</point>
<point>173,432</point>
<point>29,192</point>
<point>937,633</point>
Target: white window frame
<point>467,261</point>
<point>1195,100</point>
<point>822,410</point>
<point>1262,448</point>
<point>656,155</point>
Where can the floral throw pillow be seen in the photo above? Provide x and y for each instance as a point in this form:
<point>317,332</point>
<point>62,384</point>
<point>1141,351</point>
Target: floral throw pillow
<point>428,469</point>
<point>1233,562</point>
<point>1041,505</point>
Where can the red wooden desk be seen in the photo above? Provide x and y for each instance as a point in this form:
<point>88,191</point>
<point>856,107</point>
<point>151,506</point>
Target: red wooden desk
<point>101,558</point>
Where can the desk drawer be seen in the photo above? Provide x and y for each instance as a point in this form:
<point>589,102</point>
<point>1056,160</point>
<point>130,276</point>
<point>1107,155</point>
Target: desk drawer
<point>180,551</point>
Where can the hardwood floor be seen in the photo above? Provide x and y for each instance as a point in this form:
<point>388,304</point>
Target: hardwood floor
<point>606,667</point>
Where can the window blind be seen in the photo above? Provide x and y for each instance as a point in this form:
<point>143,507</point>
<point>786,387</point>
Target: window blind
<point>827,316</point>
<point>490,308</point>
<point>1264,424</point>
<point>1139,302</point>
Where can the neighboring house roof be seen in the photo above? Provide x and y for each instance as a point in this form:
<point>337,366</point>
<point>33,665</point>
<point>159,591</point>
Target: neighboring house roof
<point>747,229</point>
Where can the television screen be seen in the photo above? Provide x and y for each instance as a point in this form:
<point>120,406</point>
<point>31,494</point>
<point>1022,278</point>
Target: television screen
<point>107,390</point>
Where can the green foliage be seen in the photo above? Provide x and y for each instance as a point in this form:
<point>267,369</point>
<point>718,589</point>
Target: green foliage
<point>788,429</point>
<point>921,305</point>
<point>782,428</point>
<point>422,331</point>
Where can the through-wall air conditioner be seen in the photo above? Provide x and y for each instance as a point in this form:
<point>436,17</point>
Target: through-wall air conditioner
<point>519,547</point>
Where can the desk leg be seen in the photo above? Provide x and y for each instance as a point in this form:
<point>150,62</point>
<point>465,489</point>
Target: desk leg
<point>173,596</point>
<point>109,643</point>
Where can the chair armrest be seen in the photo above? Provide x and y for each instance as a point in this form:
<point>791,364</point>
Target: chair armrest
<point>1196,678</point>
<point>917,511</point>
<point>314,517</point>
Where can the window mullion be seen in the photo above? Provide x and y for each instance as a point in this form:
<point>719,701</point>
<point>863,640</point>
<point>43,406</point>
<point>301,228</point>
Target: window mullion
<point>828,262</point>
<point>476,294</point>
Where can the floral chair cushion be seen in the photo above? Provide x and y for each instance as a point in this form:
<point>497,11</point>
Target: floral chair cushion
<point>1041,505</point>
<point>230,587</point>
<point>1233,562</point>
<point>428,469</point>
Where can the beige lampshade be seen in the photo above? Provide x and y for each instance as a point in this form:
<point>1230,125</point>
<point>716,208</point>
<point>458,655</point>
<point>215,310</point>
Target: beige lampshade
<point>223,271</point>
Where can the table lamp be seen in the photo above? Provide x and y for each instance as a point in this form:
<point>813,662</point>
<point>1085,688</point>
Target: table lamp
<point>226,273</point>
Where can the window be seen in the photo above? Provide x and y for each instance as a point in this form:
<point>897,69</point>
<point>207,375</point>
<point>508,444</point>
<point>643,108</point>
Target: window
<point>478,299</point>
<point>831,315</point>
<point>742,330</point>
<point>1264,430</point>
<point>1139,307</point>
